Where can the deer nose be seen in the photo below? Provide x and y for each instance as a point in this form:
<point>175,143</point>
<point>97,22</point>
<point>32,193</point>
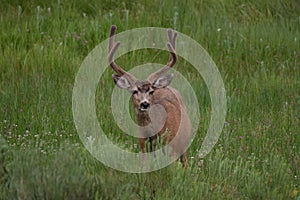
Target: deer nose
<point>144,105</point>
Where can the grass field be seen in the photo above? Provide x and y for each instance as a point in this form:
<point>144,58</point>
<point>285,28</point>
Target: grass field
<point>256,46</point>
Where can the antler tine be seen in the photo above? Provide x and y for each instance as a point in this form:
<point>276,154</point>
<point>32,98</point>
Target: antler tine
<point>171,45</point>
<point>111,37</point>
<point>112,48</point>
<point>172,35</point>
<point>174,40</point>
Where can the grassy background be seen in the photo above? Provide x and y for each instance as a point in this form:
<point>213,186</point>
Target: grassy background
<point>255,44</point>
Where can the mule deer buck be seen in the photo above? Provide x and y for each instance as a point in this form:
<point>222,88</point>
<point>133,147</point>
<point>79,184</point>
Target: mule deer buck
<point>155,90</point>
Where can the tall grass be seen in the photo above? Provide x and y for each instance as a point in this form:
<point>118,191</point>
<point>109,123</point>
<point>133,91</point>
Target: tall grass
<point>255,44</point>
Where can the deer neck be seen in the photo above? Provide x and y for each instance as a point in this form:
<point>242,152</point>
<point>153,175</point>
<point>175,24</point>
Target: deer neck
<point>143,118</point>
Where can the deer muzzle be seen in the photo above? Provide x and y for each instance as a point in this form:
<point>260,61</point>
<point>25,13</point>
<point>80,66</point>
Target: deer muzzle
<point>144,106</point>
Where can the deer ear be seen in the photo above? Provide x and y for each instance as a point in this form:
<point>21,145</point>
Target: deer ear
<point>121,81</point>
<point>163,81</point>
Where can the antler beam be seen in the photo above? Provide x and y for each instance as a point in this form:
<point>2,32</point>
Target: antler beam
<point>172,35</point>
<point>112,48</point>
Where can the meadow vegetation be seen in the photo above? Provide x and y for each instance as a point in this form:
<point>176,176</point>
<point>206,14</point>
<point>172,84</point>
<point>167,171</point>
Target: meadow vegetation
<point>256,46</point>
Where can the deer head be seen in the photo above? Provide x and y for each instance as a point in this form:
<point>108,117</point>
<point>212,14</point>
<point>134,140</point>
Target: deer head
<point>142,91</point>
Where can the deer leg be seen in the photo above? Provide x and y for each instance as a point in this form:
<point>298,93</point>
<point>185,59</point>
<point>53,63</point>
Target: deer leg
<point>153,141</point>
<point>150,145</point>
<point>142,147</point>
<point>183,160</point>
<point>165,141</point>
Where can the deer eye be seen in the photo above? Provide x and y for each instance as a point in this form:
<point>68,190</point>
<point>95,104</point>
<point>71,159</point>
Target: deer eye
<point>151,92</point>
<point>135,92</point>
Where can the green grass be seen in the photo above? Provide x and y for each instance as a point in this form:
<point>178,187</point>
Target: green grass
<point>255,45</point>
